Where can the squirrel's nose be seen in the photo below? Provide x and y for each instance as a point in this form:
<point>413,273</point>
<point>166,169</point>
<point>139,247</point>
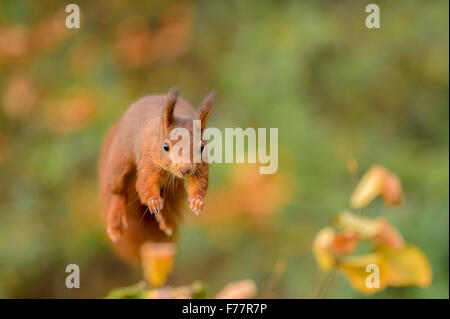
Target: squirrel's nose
<point>185,170</point>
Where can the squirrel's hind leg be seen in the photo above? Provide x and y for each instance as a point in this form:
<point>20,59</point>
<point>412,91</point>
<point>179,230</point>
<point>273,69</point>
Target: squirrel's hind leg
<point>118,168</point>
<point>116,220</point>
<point>163,223</point>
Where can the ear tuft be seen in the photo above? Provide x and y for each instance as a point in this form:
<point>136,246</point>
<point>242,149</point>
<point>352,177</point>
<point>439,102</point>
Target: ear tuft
<point>173,93</point>
<point>172,97</point>
<point>205,108</point>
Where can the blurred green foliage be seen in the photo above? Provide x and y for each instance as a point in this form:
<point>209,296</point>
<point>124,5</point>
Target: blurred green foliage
<point>336,90</point>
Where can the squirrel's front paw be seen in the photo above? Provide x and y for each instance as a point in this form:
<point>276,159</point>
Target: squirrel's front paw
<point>155,204</point>
<point>196,203</point>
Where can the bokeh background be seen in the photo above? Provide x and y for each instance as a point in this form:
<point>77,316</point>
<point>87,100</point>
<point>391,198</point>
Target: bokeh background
<point>343,97</point>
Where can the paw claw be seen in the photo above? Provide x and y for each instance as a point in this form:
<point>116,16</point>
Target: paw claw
<point>155,205</point>
<point>196,204</point>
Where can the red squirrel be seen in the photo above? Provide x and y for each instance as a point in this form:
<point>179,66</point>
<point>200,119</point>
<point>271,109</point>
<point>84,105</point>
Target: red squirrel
<point>142,190</point>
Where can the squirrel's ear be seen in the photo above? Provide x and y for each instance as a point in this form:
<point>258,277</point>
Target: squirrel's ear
<point>205,108</point>
<point>172,97</point>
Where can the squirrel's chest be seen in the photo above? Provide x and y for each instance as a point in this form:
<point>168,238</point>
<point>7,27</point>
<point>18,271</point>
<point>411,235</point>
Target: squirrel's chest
<point>172,183</point>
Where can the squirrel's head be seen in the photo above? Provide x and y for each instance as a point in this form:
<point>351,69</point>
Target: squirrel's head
<point>181,145</point>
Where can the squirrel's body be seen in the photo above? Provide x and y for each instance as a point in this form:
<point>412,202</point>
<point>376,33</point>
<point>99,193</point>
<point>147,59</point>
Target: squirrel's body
<point>142,191</point>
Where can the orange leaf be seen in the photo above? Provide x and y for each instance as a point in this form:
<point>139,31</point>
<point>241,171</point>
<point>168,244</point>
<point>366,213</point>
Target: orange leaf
<point>345,243</point>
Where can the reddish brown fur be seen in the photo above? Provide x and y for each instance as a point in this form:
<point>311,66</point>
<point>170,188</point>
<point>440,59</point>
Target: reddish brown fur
<point>136,175</point>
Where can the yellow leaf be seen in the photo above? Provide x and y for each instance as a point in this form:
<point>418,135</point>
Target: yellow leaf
<point>157,261</point>
<point>366,228</point>
<point>407,266</point>
<point>368,188</point>
<point>377,181</point>
<point>322,248</point>
<point>354,268</point>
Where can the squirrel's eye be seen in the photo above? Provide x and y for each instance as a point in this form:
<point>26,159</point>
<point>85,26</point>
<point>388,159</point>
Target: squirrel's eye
<point>201,148</point>
<point>166,147</point>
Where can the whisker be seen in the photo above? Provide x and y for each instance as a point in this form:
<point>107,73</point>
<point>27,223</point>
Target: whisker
<point>143,215</point>
<point>134,200</point>
<point>173,185</point>
<point>165,184</point>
